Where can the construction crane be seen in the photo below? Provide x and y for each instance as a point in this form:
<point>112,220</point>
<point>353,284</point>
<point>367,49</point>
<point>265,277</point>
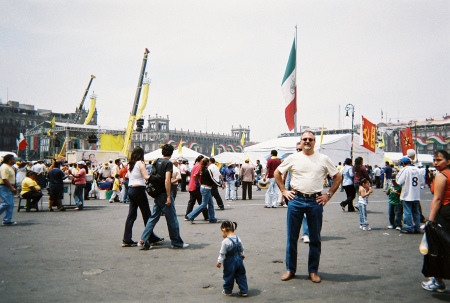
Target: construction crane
<point>80,107</point>
<point>132,118</point>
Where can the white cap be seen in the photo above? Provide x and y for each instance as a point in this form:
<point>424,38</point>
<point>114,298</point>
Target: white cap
<point>411,153</point>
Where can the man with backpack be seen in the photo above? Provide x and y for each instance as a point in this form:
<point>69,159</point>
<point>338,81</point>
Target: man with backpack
<point>160,177</point>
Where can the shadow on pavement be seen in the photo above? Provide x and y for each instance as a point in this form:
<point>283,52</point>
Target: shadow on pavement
<point>330,238</point>
<point>344,277</point>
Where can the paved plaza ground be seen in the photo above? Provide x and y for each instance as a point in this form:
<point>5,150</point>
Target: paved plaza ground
<point>76,256</point>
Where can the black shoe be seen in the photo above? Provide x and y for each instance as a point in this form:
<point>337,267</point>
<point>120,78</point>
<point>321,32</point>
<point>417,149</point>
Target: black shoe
<point>145,247</point>
<point>157,242</point>
<point>129,244</point>
<point>342,206</point>
<point>223,208</point>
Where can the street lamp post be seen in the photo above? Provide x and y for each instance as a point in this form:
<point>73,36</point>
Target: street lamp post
<point>351,107</point>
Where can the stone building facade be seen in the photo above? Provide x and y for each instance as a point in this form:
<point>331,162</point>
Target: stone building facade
<point>16,118</point>
<point>158,133</point>
<point>429,135</point>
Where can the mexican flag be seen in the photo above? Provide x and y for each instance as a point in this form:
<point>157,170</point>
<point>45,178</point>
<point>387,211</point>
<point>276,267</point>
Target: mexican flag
<point>289,89</point>
<point>21,142</point>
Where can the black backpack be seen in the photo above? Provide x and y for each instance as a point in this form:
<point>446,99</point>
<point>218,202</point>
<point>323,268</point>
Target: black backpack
<point>156,183</point>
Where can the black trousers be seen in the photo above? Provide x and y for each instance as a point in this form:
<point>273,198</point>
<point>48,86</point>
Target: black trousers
<point>246,187</point>
<point>138,199</point>
<point>174,190</point>
<point>183,182</point>
<point>350,191</point>
<point>216,195</point>
<point>377,181</point>
<point>35,197</point>
<point>87,189</point>
<point>195,196</point>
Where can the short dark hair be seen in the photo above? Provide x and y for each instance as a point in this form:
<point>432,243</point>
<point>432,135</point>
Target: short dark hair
<point>274,152</point>
<point>212,160</point>
<point>7,158</point>
<point>167,150</point>
<point>117,161</point>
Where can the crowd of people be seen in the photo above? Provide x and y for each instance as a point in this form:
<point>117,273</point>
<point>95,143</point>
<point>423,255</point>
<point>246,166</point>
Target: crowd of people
<point>299,180</point>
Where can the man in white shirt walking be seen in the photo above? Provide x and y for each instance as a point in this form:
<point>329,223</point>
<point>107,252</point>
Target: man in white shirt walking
<point>411,179</point>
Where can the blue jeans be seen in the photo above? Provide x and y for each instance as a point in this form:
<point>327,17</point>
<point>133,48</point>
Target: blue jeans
<point>363,214</point>
<point>395,214</point>
<point>234,271</point>
<point>230,190</point>
<point>272,193</point>
<point>171,219</point>
<point>258,177</point>
<point>207,202</point>
<point>305,226</point>
<point>411,215</point>
<point>78,194</point>
<point>297,208</point>
<point>7,204</point>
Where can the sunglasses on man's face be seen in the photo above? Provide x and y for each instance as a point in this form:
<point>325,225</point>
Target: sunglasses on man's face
<point>308,139</point>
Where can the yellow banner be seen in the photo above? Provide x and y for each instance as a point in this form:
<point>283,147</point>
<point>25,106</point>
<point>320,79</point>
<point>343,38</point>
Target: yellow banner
<point>143,104</point>
<point>91,111</point>
<point>111,142</point>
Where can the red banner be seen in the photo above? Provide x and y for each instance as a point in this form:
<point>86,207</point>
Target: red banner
<point>368,134</point>
<point>406,140</point>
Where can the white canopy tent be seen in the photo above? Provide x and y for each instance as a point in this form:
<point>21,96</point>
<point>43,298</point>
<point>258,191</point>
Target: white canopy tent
<point>395,157</point>
<point>227,157</point>
<point>337,147</point>
<point>186,153</point>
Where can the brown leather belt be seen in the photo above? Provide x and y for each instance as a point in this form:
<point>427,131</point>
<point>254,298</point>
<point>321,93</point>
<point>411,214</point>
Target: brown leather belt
<point>307,195</point>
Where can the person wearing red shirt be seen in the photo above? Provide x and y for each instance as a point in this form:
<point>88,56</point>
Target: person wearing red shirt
<point>272,191</point>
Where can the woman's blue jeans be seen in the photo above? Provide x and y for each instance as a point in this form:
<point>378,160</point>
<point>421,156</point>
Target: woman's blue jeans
<point>207,202</point>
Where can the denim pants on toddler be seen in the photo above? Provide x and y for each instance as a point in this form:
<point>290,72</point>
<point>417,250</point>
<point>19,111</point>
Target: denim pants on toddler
<point>363,214</point>
<point>234,270</point>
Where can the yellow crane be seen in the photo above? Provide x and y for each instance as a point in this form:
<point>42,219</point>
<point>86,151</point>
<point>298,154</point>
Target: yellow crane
<point>134,109</point>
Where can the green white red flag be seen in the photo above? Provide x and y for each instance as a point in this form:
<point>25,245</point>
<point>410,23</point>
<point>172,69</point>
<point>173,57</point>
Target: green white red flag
<point>289,89</point>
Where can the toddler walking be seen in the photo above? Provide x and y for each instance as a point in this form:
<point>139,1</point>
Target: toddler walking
<point>364,192</point>
<point>232,256</point>
<point>116,188</point>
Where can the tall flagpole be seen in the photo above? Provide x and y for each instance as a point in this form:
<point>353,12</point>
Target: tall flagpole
<point>295,115</point>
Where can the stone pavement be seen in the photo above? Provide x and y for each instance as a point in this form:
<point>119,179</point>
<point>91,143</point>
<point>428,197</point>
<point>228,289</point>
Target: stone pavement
<point>77,257</point>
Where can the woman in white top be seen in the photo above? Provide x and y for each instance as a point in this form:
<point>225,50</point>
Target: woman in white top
<point>137,176</point>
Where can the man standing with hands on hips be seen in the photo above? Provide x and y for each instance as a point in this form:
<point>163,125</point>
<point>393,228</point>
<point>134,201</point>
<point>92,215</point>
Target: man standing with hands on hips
<point>308,170</point>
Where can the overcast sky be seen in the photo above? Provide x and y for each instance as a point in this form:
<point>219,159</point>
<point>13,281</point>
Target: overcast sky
<point>214,64</point>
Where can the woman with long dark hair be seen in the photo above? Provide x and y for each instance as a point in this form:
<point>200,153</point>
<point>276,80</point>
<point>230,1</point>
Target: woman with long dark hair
<point>440,208</point>
<point>360,172</point>
<point>347,183</point>
<point>137,176</point>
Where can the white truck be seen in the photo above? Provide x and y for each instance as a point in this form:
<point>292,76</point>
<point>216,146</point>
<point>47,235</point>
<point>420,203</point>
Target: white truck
<point>94,156</point>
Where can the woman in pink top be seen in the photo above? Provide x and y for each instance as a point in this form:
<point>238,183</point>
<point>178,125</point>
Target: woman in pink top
<point>80,184</point>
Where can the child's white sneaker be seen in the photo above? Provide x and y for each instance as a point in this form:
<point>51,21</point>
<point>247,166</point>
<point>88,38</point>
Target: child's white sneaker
<point>366,228</point>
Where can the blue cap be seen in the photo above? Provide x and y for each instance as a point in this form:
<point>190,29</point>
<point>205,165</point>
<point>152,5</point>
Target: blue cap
<point>405,160</point>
